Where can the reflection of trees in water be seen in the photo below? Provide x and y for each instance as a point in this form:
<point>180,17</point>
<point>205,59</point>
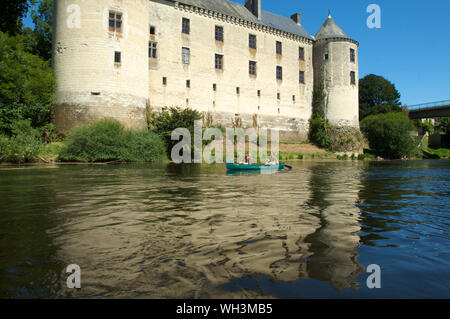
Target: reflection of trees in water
<point>28,263</point>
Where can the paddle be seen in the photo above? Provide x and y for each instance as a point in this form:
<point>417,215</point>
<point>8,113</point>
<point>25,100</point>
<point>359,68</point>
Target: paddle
<point>288,167</point>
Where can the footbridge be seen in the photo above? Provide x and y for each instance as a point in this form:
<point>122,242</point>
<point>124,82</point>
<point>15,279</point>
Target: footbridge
<point>429,110</point>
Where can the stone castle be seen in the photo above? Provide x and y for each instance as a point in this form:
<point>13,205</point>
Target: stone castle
<point>237,63</point>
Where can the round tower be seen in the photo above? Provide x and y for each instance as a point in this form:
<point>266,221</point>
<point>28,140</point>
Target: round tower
<point>100,60</point>
<point>336,67</point>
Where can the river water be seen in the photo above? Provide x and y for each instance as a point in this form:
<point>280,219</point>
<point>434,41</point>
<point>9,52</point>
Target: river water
<point>168,231</point>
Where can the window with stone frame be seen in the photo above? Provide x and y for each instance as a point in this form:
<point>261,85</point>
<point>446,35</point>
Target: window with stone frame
<point>152,50</point>
<point>186,26</point>
<point>252,41</point>
<point>279,48</point>
<point>252,68</point>
<point>186,55</point>
<point>115,22</point>
<point>301,53</point>
<point>279,73</point>
<point>219,62</point>
<point>301,77</point>
<point>219,33</point>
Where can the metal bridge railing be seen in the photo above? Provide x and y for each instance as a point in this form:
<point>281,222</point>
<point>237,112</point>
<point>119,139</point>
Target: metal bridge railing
<point>428,105</point>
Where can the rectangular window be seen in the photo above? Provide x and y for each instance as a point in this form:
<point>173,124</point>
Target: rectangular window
<point>252,41</point>
<point>238,91</point>
<point>219,33</point>
<point>258,92</point>
<point>185,27</point>
<point>115,22</point>
<point>252,68</point>
<point>279,48</point>
<point>152,50</point>
<point>219,62</point>
<point>301,54</point>
<point>352,55</point>
<point>152,30</point>
<point>279,73</point>
<point>214,87</point>
<point>188,84</point>
<point>352,78</point>
<point>117,57</point>
<point>293,98</point>
<point>301,77</point>
<point>164,81</point>
<point>326,56</point>
<point>185,55</point>
<point>278,96</point>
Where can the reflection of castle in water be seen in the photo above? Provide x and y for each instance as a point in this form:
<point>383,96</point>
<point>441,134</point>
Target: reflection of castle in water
<point>187,236</point>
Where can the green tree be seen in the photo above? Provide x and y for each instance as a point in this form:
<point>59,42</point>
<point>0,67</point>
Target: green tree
<point>444,125</point>
<point>377,95</point>
<point>39,40</point>
<point>168,120</point>
<point>389,134</point>
<point>27,85</point>
<point>11,15</point>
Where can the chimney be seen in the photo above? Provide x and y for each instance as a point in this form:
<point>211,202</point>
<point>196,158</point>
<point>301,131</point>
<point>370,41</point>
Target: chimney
<point>254,6</point>
<point>297,17</point>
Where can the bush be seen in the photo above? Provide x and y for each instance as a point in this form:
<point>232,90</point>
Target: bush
<point>107,140</point>
<point>24,146</point>
<point>345,139</point>
<point>165,122</point>
<point>4,144</point>
<point>318,133</point>
<point>389,134</point>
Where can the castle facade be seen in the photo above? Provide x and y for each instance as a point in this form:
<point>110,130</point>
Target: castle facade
<point>237,63</point>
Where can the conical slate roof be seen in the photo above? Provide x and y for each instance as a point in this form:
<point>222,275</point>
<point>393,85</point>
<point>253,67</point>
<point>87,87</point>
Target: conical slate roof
<point>330,29</point>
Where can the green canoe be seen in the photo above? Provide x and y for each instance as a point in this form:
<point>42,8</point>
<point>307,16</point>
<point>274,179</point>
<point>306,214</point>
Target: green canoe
<point>247,167</point>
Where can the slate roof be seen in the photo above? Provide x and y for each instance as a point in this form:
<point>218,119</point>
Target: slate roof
<point>330,29</point>
<point>239,11</point>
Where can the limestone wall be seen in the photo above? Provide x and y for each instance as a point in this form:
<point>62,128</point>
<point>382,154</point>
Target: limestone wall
<point>90,84</point>
<point>342,103</point>
<point>224,103</point>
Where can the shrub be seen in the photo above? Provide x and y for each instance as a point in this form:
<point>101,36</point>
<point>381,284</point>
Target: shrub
<point>389,134</point>
<point>24,146</point>
<point>318,133</point>
<point>345,139</point>
<point>165,122</point>
<point>4,144</point>
<point>107,140</point>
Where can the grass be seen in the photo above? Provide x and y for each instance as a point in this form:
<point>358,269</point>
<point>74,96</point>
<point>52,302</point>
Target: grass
<point>441,152</point>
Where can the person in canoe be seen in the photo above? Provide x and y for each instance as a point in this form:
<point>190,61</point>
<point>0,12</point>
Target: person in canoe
<point>273,160</point>
<point>246,161</point>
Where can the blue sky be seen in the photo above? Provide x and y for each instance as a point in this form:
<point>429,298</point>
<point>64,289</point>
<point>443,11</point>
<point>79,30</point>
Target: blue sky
<point>412,48</point>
